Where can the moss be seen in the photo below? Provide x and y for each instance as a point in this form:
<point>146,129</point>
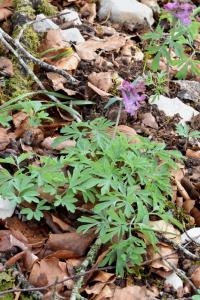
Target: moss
<point>30,39</point>
<point>20,83</point>
<point>24,7</point>
<point>46,8</point>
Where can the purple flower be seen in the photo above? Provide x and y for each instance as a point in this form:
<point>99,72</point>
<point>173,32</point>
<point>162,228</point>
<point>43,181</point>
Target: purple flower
<point>181,11</point>
<point>133,95</point>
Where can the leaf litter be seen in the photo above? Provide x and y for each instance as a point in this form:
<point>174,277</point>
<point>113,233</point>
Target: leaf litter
<point>51,250</point>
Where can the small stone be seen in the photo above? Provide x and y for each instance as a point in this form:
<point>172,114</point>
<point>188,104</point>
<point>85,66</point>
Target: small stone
<point>72,35</point>
<point>68,15</point>
<point>7,208</point>
<point>126,11</point>
<point>150,121</point>
<point>189,90</point>
<point>174,106</point>
<point>44,24</point>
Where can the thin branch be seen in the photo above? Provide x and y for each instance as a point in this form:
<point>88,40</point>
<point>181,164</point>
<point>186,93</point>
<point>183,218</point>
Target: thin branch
<point>88,261</point>
<point>180,248</point>
<point>37,61</point>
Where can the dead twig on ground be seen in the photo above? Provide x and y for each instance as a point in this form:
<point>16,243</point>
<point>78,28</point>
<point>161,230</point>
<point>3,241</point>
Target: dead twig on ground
<point>87,262</point>
<point>37,61</point>
<point>179,248</point>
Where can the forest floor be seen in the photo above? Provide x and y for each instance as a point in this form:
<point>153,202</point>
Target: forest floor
<point>42,256</point>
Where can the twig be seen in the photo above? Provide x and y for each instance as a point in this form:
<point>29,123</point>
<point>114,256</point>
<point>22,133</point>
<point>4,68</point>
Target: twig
<point>88,261</point>
<point>180,248</point>
<point>37,61</point>
<point>180,273</point>
<point>43,288</point>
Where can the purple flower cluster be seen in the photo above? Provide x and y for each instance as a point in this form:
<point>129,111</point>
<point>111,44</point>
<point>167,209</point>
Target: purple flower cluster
<point>181,11</point>
<point>133,95</point>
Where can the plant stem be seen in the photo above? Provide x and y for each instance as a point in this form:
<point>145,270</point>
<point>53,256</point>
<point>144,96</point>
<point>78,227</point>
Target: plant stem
<point>117,120</point>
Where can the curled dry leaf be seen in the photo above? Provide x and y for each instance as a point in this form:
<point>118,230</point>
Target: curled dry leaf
<point>87,50</point>
<point>98,91</point>
<point>46,271</point>
<point>73,241</point>
<point>48,142</point>
<point>129,132</point>
<point>54,39</point>
<point>68,63</point>
<point>166,229</point>
<point>64,226</point>
<point>89,11</point>
<point>5,13</point>
<point>6,66</point>
<point>134,293</point>
<point>4,139</point>
<point>19,118</point>
<point>58,82</point>
<point>159,259</point>
<point>102,80</point>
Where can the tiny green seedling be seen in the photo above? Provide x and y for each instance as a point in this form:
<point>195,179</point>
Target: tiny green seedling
<point>184,130</point>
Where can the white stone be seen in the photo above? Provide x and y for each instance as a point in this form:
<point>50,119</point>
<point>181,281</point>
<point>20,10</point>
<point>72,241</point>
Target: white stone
<point>72,35</point>
<point>174,106</point>
<point>153,4</point>
<point>68,15</point>
<point>191,235</point>
<point>121,11</point>
<point>174,281</point>
<point>6,208</point>
<point>44,24</point>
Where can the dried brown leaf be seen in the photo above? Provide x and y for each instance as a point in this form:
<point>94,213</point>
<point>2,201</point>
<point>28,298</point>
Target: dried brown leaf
<point>47,143</point>
<point>133,293</point>
<point>46,271</point>
<point>86,50</point>
<point>6,65</point>
<point>73,241</point>
<point>102,80</point>
<point>160,259</point>
<point>89,10</point>
<point>4,139</point>
<point>5,13</point>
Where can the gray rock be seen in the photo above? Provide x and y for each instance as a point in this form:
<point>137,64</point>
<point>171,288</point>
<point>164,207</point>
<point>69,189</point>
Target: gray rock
<point>68,15</point>
<point>130,11</point>
<point>189,90</point>
<point>44,24</point>
<point>72,35</point>
<point>174,106</point>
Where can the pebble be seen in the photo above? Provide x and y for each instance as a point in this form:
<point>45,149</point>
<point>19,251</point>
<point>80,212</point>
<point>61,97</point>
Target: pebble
<point>72,35</point>
<point>68,15</point>
<point>44,24</point>
<point>174,106</point>
<point>189,90</point>
<point>130,11</point>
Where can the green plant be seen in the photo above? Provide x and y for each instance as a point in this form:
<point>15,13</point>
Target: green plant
<point>157,82</point>
<point>37,110</point>
<point>176,47</point>
<point>127,184</point>
<point>196,297</point>
<point>185,131</point>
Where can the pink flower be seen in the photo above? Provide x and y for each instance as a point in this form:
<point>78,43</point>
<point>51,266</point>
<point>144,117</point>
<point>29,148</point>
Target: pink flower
<point>181,11</point>
<point>133,95</point>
